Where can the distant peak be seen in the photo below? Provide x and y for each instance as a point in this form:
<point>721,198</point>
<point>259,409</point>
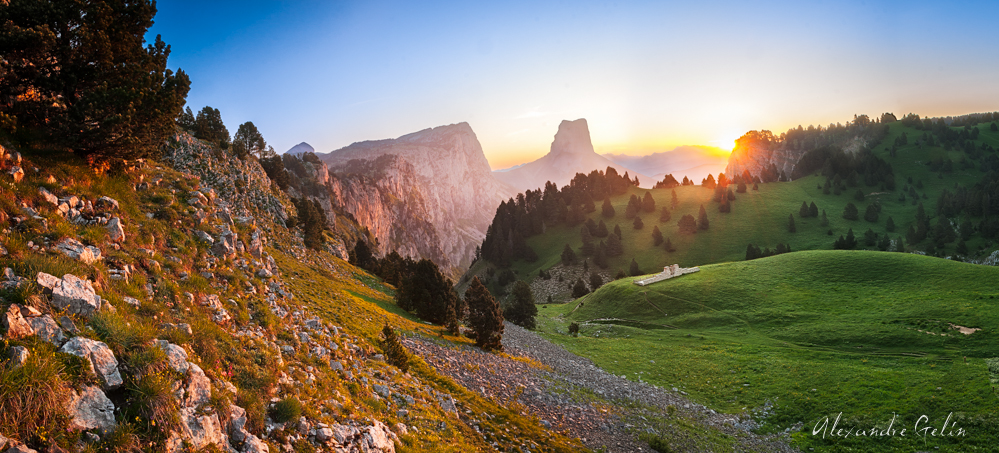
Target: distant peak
<point>300,148</point>
<point>573,137</point>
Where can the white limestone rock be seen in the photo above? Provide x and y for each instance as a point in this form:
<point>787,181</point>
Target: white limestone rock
<point>100,358</point>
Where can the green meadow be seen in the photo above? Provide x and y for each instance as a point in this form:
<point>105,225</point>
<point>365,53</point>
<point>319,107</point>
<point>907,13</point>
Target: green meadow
<point>812,334</point>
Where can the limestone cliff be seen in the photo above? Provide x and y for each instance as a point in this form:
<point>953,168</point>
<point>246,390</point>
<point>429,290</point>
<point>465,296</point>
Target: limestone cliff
<point>429,194</point>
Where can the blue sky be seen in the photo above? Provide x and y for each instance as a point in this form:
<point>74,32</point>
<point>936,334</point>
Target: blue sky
<point>648,76</point>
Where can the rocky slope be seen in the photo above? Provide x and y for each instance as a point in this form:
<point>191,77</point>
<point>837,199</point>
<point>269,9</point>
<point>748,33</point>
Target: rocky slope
<point>428,194</point>
<point>165,310</point>
<point>571,152</point>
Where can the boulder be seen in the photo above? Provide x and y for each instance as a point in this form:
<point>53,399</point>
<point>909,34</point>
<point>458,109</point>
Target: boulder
<point>225,246</point>
<point>264,273</point>
<point>91,409</point>
<point>380,437</point>
<point>76,250</point>
<point>8,274</point>
<point>76,296</point>
<point>48,197</point>
<point>47,329</point>
<point>47,281</point>
<point>106,203</point>
<point>256,247</point>
<point>16,325</point>
<point>14,446</point>
<point>205,237</point>
<point>115,230</point>
<point>202,430</point>
<point>17,173</point>
<point>68,325</point>
<point>100,358</point>
<point>183,328</point>
<point>253,444</point>
<point>197,387</point>
<point>176,355</point>
<point>19,355</point>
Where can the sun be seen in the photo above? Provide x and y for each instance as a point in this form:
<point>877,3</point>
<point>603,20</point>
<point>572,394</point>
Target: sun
<point>726,141</point>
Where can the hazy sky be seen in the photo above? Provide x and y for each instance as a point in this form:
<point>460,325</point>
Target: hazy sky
<point>646,76</point>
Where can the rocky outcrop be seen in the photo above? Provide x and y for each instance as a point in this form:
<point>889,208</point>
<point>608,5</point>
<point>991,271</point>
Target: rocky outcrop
<point>78,251</point>
<point>100,358</point>
<point>755,156</point>
<point>571,152</point>
<point>430,194</point>
<point>242,186</point>
<point>91,409</point>
<point>75,295</point>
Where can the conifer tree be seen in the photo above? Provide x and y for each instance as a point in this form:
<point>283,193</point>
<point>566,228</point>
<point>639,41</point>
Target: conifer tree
<point>871,214</point>
<point>825,220</point>
<point>617,231</point>
<point>687,224</point>
<point>648,203</point>
<point>674,200</point>
<point>484,316</point>
<point>669,246</point>
<point>395,352</point>
<point>600,257</point>
<point>601,230</point>
<point>664,215</point>
<point>635,271</point>
<point>607,210</point>
<point>803,211</point>
<point>702,218</point>
<point>638,224</point>
<point>657,236</point>
<point>568,256</point>
<point>579,289</point>
<point>850,212</point>
<point>596,281</point>
<point>522,310</point>
<point>813,211</point>
<point>790,224</point>
<point>614,246</point>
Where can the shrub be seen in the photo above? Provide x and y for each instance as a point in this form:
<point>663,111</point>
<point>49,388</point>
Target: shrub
<point>574,329</point>
<point>395,352</point>
<point>286,410</point>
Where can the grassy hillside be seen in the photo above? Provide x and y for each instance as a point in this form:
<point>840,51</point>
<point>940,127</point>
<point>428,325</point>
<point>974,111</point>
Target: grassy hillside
<point>814,334</point>
<point>306,332</point>
<point>761,217</point>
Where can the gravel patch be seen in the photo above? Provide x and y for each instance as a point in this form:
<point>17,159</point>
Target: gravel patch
<point>570,394</point>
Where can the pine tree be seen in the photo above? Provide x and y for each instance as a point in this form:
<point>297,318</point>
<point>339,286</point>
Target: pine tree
<point>638,224</point>
<point>600,258</point>
<point>825,220</point>
<point>741,188</point>
<point>790,224</point>
<point>657,236</point>
<point>568,256</point>
<point>702,218</point>
<point>614,246</point>
<point>617,231</point>
<point>669,246</point>
<point>484,316</point>
<point>633,269</point>
<point>664,215</point>
<point>850,212</point>
<point>80,75</point>
<point>579,289</point>
<point>523,309</point>
<point>803,211</point>
<point>731,195</point>
<point>634,206</point>
<point>756,186</point>
<point>813,211</point>
<point>430,294</point>
<point>871,214</point>
<point>687,224</point>
<point>674,201</point>
<point>859,195</point>
<point>601,230</point>
<point>248,141</point>
<point>596,281</point>
<point>648,203</point>
<point>607,210</point>
<point>395,352</point>
<point>587,248</point>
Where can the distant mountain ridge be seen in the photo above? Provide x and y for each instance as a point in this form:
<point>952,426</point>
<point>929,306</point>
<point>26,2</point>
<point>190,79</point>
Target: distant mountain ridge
<point>571,152</point>
<point>300,149</point>
<point>695,162</point>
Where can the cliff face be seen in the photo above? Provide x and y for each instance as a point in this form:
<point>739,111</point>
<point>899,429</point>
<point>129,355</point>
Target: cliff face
<point>429,194</point>
<point>755,156</point>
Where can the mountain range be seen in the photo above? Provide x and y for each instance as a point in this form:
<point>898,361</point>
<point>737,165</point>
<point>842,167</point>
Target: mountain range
<point>694,162</point>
